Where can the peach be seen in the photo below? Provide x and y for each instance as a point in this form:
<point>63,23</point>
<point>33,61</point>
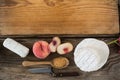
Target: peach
<point>65,48</point>
<point>41,49</point>
<point>54,44</point>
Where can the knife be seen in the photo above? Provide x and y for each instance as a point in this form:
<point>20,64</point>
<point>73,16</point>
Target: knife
<point>50,71</point>
<point>41,70</point>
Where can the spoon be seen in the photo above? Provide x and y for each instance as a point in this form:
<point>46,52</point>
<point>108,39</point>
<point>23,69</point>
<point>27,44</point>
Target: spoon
<point>59,63</point>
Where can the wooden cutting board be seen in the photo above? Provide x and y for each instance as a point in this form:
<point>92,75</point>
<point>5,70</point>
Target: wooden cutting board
<point>58,17</point>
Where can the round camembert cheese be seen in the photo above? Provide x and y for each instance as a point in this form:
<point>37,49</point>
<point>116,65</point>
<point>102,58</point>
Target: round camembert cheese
<point>91,54</point>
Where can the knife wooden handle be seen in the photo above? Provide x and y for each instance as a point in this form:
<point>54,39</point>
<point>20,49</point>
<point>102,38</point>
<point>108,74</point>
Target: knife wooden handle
<point>65,74</point>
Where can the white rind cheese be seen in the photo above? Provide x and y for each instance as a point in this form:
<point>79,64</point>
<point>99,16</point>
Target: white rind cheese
<point>91,54</point>
<point>16,47</point>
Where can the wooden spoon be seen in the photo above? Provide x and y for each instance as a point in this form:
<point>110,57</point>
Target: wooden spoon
<point>59,63</point>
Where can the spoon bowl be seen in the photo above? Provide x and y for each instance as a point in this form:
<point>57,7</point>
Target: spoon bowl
<point>60,62</point>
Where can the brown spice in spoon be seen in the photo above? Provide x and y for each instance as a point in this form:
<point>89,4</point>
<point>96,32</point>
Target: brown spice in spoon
<point>60,62</point>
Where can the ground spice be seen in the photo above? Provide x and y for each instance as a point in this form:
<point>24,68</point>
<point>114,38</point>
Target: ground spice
<point>59,62</point>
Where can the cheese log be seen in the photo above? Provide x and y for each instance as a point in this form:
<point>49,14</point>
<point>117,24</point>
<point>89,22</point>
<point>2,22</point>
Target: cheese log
<point>16,47</point>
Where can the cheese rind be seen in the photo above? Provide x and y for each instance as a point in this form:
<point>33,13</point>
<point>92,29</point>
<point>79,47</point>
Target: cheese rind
<point>16,47</point>
<point>91,54</point>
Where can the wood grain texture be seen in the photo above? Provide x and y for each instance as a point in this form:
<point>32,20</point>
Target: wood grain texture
<point>58,17</point>
<point>12,69</point>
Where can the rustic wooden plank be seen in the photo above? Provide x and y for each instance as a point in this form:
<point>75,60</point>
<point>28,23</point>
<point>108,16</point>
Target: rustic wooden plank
<point>11,68</point>
<point>62,35</point>
<point>58,17</point>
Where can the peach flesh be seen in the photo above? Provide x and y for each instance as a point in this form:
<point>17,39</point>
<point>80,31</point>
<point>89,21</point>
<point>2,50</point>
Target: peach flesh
<point>65,48</point>
<point>54,44</point>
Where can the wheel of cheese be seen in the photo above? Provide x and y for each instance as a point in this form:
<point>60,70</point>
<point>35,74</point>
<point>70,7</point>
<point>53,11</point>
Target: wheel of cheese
<point>91,54</point>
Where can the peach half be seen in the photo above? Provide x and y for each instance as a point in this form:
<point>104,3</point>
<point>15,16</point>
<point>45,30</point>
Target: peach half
<point>65,48</point>
<point>54,44</point>
<point>41,49</point>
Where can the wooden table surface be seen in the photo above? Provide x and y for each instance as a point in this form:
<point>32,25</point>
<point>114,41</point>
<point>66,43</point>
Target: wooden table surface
<point>10,63</point>
<point>11,68</point>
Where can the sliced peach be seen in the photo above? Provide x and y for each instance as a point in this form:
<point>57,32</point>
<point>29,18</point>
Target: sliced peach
<point>41,49</point>
<point>65,48</point>
<point>54,44</point>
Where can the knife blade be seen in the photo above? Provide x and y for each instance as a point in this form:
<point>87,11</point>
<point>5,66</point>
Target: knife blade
<point>41,70</point>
